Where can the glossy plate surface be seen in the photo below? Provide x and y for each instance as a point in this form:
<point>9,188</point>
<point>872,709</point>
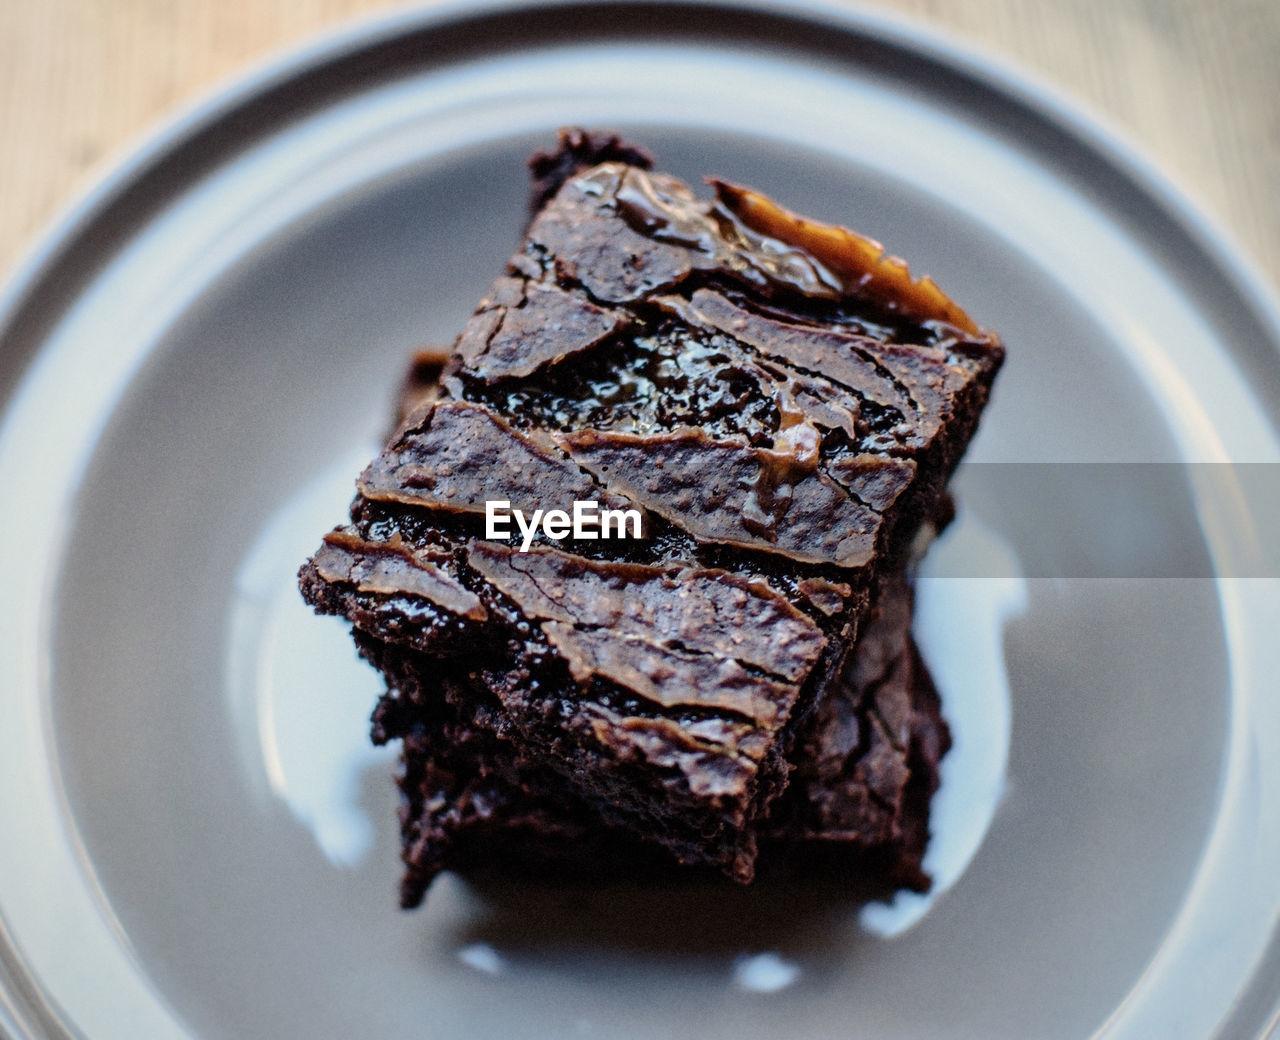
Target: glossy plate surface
<point>198,841</point>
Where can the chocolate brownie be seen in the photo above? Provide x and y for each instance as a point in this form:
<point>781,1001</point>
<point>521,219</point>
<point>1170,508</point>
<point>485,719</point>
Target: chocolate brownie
<point>779,402</point>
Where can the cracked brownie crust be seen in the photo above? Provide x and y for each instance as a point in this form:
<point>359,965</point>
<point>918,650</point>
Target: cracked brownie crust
<point>782,405</point>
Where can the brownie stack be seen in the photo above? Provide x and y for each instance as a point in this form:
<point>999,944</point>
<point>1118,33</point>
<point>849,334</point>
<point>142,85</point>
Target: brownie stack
<point>782,405</point>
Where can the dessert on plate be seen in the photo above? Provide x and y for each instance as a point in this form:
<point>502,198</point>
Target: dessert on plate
<point>769,409</point>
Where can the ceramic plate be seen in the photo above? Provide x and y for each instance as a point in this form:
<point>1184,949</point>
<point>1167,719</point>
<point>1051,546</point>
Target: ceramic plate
<point>198,841</point>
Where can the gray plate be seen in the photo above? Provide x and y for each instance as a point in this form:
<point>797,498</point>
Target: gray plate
<point>197,841</point>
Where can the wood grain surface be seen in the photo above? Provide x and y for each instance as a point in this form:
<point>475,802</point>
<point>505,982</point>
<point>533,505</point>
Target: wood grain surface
<point>1194,83</point>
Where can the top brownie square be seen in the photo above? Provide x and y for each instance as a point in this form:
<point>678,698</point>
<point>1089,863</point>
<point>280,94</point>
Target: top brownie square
<point>781,406</point>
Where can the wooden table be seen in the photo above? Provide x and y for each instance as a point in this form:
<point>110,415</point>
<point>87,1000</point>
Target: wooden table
<point>1195,83</point>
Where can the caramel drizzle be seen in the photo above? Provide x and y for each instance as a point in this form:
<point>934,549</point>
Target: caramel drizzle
<point>861,263</point>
